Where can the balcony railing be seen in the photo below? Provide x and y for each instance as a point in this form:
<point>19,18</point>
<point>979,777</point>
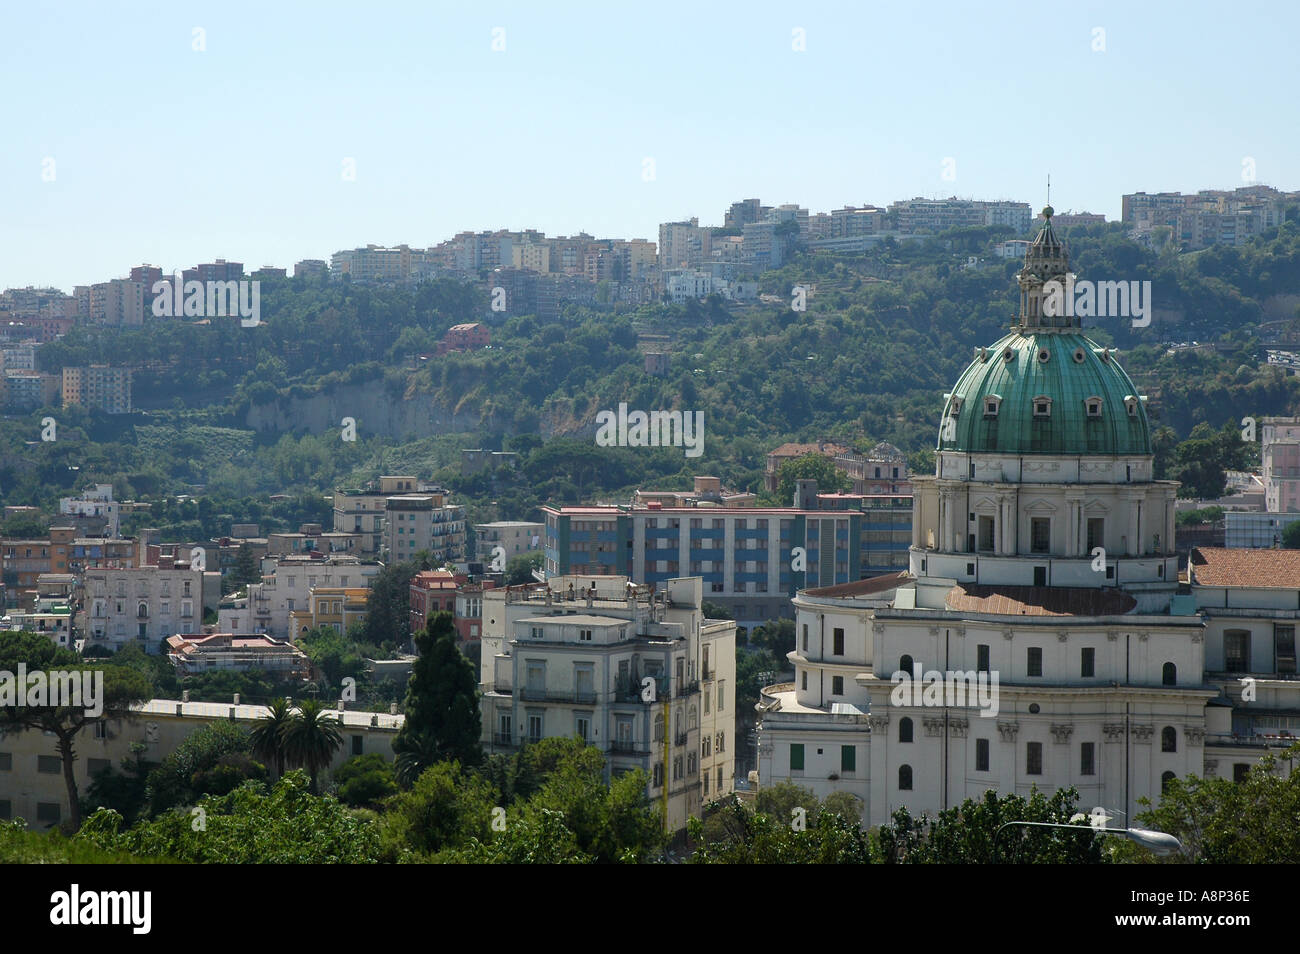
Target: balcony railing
<point>679,738</point>
<point>628,747</point>
<point>503,738</point>
<point>581,697</point>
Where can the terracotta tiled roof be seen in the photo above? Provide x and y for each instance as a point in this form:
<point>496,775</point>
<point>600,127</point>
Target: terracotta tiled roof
<point>1219,566</point>
<point>876,584</point>
<point>1039,601</point>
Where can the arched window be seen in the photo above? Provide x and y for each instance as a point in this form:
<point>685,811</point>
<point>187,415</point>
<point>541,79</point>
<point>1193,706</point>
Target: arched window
<point>905,729</point>
<point>1169,674</point>
<point>1165,779</point>
<point>1169,739</point>
<point>142,610</point>
<point>905,778</point>
<point>692,718</point>
<point>905,664</point>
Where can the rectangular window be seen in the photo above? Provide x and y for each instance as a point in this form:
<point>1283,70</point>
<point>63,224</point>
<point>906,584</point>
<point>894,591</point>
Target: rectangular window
<point>534,728</point>
<point>1034,758</point>
<point>848,758</point>
<point>982,657</point>
<point>804,680</point>
<point>721,697</point>
<point>1087,765</point>
<point>49,764</point>
<point>796,757</point>
<point>1096,536</point>
<point>358,745</point>
<point>1236,650</point>
<point>1034,662</point>
<point>986,534</point>
<point>583,727</point>
<point>1040,534</point>
<point>584,635</point>
<point>1284,648</point>
<point>837,685</point>
<point>805,637</point>
<point>838,643</point>
<point>6,761</point>
<point>47,813</point>
<point>981,755</point>
<point>1087,662</point>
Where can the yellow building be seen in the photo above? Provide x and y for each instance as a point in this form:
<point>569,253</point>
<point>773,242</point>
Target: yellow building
<point>337,607</point>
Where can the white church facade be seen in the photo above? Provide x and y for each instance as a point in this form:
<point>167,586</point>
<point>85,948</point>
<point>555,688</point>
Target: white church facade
<point>1046,636</point>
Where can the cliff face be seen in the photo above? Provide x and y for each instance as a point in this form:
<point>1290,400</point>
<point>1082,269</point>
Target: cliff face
<point>374,407</point>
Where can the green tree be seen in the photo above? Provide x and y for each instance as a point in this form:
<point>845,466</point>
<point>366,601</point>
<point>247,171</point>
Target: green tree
<point>830,479</point>
<point>365,781</point>
<point>175,780</point>
<point>311,738</point>
<point>969,833</point>
<point>267,737</point>
<point>1291,536</point>
<point>735,834</point>
<point>245,569</point>
<point>1223,822</point>
<point>519,569</point>
<point>445,808</point>
<point>247,826</point>
<point>442,713</point>
<point>122,688</point>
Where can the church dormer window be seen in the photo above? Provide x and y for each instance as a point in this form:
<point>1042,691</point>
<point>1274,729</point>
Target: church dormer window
<point>1044,355</point>
<point>991,405</point>
<point>1093,404</point>
<point>1079,356</point>
<point>1131,405</point>
<point>1008,355</point>
<point>956,407</point>
<point>1042,406</point>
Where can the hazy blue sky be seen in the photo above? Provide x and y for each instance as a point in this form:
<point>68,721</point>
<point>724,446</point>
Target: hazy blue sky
<point>171,156</point>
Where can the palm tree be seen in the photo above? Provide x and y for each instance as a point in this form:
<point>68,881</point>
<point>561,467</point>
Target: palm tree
<point>268,735</point>
<point>411,763</point>
<point>311,738</point>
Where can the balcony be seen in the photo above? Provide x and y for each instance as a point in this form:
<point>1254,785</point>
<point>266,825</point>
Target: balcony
<point>577,696</point>
<point>628,747</point>
<point>679,738</point>
<point>629,690</point>
<point>503,738</point>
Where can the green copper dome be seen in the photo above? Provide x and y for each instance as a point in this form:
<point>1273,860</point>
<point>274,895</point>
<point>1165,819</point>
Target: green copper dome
<point>1045,392</point>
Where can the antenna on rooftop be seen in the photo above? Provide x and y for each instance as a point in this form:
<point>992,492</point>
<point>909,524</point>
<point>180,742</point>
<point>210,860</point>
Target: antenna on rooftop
<point>1049,188</point>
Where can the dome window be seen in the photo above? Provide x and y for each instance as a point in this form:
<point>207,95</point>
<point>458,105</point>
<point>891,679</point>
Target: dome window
<point>956,406</point>
<point>991,404</point>
<point>1044,355</point>
<point>981,354</point>
<point>1131,405</point>
<point>1093,404</point>
<point>1008,356</point>
<point>1042,406</point>
<point>1079,356</point>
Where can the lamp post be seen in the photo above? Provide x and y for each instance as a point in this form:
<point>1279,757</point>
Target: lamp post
<point>1159,842</point>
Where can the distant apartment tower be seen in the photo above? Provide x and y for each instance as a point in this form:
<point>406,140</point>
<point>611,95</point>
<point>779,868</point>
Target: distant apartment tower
<point>742,213</point>
<point>218,271</point>
<point>316,267</point>
<point>683,244</point>
<point>514,537</point>
<point>29,390</point>
<point>116,303</point>
<point>98,387</point>
<point>416,522</point>
<point>377,264</point>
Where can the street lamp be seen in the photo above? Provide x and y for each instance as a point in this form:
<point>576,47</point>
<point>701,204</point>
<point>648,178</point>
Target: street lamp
<point>1159,842</point>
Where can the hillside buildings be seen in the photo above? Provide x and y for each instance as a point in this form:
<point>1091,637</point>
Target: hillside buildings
<point>1210,217</point>
<point>636,671</point>
<point>398,516</point>
<point>146,604</point>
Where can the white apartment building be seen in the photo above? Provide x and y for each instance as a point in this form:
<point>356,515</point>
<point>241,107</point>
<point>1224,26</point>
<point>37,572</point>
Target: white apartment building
<point>97,502</point>
<point>147,603</point>
<point>415,522</point>
<point>634,670</point>
<point>287,584</point>
<point>513,536</point>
